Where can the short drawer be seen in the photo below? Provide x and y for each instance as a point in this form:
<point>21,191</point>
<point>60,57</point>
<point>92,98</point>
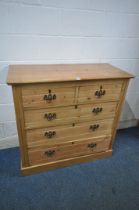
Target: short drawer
<point>44,95</point>
<point>68,115</point>
<point>79,148</point>
<point>100,91</point>
<point>61,134</point>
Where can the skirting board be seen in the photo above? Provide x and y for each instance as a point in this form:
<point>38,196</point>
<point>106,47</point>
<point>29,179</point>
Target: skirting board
<point>8,142</point>
<point>12,141</point>
<point>128,124</point>
<point>64,163</point>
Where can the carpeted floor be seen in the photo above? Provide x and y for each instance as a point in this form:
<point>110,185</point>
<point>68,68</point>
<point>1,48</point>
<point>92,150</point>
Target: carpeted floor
<point>110,184</point>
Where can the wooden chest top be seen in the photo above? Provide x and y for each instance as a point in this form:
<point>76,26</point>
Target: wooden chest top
<point>22,74</point>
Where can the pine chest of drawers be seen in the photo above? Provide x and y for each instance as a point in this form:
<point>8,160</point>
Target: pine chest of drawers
<point>66,114</point>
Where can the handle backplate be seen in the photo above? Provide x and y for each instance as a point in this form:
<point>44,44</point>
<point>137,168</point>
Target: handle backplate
<point>50,116</point>
<point>50,134</point>
<point>49,97</point>
<point>49,153</point>
<point>94,127</point>
<point>92,145</point>
<point>100,92</point>
<point>97,110</point>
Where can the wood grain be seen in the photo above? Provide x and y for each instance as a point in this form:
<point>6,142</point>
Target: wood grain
<point>64,163</point>
<point>85,93</point>
<point>75,87</point>
<point>119,109</point>
<point>22,74</point>
<point>39,155</point>
<point>20,124</point>
<point>31,98</point>
<point>80,131</point>
<point>68,115</point>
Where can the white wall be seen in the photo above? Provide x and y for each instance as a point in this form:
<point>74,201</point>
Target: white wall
<point>68,31</point>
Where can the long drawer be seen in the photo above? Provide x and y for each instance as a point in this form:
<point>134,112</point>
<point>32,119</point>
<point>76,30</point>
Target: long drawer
<point>57,135</point>
<point>79,148</point>
<point>68,115</point>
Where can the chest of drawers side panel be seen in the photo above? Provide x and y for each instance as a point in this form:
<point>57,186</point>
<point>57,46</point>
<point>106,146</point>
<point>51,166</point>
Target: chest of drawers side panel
<point>119,109</point>
<point>20,124</point>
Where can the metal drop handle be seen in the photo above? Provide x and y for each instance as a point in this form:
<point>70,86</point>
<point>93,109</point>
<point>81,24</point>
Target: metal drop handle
<point>50,134</point>
<point>94,127</point>
<point>50,116</point>
<point>100,92</point>
<point>49,97</point>
<point>49,153</point>
<point>97,110</point>
<point>92,145</point>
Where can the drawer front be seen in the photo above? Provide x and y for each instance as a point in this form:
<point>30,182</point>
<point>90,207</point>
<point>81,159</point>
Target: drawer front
<point>44,154</point>
<point>58,135</point>
<point>68,115</point>
<point>42,96</point>
<point>100,91</point>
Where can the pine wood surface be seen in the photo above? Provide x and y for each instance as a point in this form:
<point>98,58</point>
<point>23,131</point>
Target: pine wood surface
<point>69,132</point>
<point>20,124</point>
<point>74,87</point>
<point>62,152</point>
<point>20,74</point>
<point>63,163</point>
<point>68,115</point>
<point>83,93</point>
